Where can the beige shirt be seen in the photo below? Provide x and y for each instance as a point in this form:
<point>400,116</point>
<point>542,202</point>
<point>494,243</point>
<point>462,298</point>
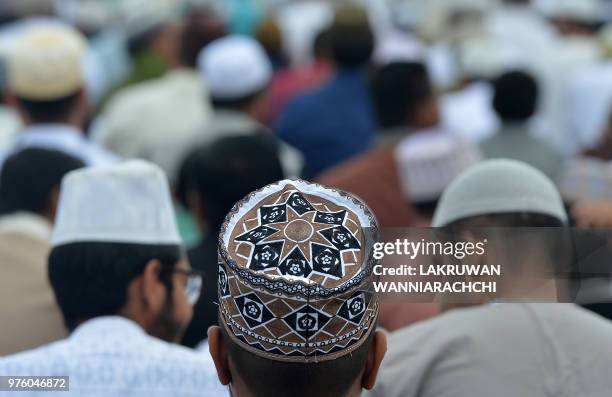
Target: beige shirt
<point>29,316</point>
<point>501,350</point>
<point>147,119</point>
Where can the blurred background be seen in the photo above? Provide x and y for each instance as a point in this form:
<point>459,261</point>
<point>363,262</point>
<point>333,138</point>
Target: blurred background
<point>387,99</point>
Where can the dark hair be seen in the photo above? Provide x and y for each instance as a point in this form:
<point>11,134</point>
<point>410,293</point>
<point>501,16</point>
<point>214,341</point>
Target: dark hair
<point>201,28</point>
<point>399,89</point>
<point>516,96</point>
<point>321,46</point>
<point>426,208</point>
<point>227,170</point>
<point>29,176</point>
<point>270,378</point>
<point>351,38</point>
<point>91,279</point>
<point>238,104</point>
<point>141,41</point>
<point>52,111</point>
<point>554,238</point>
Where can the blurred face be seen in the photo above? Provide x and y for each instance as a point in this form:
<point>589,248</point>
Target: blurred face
<point>177,309</point>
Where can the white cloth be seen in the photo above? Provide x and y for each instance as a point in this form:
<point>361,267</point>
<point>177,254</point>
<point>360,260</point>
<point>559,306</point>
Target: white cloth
<point>520,33</point>
<point>300,22</point>
<point>502,350</point>
<point>113,356</point>
<point>63,138</point>
<point>226,123</point>
<point>589,102</point>
<point>570,54</point>
<point>46,62</point>
<point>126,203</point>
<point>10,124</point>
<point>235,67</point>
<point>468,113</point>
<point>430,160</point>
<point>26,224</point>
<point>147,119</point>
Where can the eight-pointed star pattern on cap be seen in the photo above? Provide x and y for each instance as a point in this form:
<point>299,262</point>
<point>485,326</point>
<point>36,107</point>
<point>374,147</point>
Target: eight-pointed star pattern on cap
<point>288,232</point>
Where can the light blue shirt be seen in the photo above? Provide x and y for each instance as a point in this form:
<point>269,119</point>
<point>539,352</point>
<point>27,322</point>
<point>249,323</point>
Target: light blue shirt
<point>63,138</point>
<point>113,356</point>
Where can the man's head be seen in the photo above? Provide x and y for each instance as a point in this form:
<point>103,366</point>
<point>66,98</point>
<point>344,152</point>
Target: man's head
<point>46,75</point>
<point>237,72</point>
<point>30,181</point>
<point>404,96</point>
<point>321,46</point>
<point>200,29</point>
<point>116,250</point>
<point>297,311</point>
<point>351,38</point>
<point>152,30</point>
<point>520,213</point>
<point>516,97</point>
<point>214,177</point>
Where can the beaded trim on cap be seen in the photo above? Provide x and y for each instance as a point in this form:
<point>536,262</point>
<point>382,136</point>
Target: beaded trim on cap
<point>295,272</point>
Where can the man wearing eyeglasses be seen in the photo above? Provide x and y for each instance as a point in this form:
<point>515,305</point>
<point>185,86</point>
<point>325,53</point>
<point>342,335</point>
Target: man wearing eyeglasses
<point>125,289</point>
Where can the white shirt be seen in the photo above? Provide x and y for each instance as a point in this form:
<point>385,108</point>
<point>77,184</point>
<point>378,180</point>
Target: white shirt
<point>223,124</point>
<point>63,138</point>
<point>113,356</point>
<point>10,124</point>
<point>151,117</point>
<point>589,101</point>
<point>502,350</point>
<point>521,33</point>
<point>26,223</point>
<point>469,114</point>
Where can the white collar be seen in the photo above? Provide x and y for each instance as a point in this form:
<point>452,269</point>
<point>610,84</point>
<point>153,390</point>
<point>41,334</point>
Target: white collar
<point>45,133</point>
<point>26,223</point>
<point>107,325</point>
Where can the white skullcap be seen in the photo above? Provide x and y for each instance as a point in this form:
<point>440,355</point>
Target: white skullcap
<point>398,47</point>
<point>125,203</point>
<point>46,62</point>
<point>496,187</point>
<point>234,67</point>
<point>140,16</point>
<point>428,162</point>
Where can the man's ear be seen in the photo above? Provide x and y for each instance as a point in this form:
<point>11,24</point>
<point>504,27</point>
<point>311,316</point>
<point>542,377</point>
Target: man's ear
<point>153,292</point>
<point>375,357</point>
<point>194,202</point>
<point>82,109</point>
<point>218,351</point>
<point>53,202</point>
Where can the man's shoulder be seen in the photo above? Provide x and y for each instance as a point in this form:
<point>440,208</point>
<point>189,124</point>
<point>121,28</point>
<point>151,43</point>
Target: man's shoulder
<point>144,366</point>
<point>96,154</point>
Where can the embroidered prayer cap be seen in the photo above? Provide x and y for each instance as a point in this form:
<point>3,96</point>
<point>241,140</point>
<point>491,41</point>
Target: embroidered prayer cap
<point>234,67</point>
<point>295,272</point>
<point>125,203</point>
<point>497,187</point>
<point>430,161</point>
<point>46,62</point>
